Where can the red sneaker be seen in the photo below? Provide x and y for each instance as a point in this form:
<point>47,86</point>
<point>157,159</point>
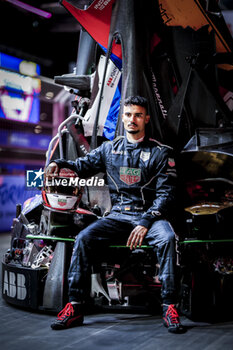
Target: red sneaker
<point>70,316</point>
<point>171,319</point>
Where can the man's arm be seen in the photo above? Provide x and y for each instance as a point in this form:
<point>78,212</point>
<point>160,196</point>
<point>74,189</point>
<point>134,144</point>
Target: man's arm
<point>165,196</point>
<point>166,181</point>
<point>87,166</point>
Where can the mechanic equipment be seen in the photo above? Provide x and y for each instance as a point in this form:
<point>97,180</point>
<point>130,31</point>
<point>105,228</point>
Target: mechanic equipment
<point>97,287</point>
<point>206,245</point>
<point>29,254</point>
<point>43,258</point>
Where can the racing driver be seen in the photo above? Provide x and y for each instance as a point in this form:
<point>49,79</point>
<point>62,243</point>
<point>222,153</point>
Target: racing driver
<point>141,177</point>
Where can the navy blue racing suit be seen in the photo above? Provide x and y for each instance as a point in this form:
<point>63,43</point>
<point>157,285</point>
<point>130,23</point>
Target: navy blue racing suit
<point>142,182</point>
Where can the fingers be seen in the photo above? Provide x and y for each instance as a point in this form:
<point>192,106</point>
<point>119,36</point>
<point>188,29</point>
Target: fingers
<point>134,241</point>
<point>140,240</point>
<point>136,237</point>
<point>51,170</point>
<point>129,242</point>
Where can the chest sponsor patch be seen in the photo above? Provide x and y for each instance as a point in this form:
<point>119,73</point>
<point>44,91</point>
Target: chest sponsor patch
<point>144,156</point>
<point>130,176</point>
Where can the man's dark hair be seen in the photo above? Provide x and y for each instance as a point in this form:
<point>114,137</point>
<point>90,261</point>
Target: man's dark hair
<point>138,101</point>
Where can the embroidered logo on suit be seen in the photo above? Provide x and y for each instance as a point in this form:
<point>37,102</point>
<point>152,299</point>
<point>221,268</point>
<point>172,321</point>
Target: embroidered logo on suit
<point>130,176</point>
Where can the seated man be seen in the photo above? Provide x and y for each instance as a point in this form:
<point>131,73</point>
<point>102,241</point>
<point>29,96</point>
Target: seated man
<point>141,178</point>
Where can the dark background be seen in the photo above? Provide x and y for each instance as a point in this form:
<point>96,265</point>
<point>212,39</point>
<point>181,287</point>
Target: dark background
<point>52,43</point>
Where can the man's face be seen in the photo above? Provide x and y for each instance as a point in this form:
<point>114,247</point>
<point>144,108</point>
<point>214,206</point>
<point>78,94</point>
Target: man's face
<point>135,119</point>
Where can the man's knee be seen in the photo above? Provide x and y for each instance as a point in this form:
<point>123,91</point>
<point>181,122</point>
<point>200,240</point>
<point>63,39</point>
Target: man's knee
<point>83,237</point>
<point>162,233</point>
<point>91,233</point>
<point>170,235</point>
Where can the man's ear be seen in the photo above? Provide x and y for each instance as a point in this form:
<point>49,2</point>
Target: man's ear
<point>147,119</point>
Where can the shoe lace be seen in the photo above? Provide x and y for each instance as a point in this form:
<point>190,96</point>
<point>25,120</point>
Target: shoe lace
<point>66,312</point>
<point>172,314</point>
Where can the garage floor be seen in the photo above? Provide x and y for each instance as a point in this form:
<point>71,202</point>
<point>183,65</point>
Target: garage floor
<point>24,330</point>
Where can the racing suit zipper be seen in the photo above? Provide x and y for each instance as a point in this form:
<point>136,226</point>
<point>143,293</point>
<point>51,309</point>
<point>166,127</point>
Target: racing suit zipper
<point>117,188</point>
<point>141,189</point>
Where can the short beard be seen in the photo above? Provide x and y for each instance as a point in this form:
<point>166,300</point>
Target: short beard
<point>132,131</point>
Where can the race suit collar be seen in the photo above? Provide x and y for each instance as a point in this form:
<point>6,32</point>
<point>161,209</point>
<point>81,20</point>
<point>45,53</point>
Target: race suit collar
<point>136,141</point>
<point>134,145</point>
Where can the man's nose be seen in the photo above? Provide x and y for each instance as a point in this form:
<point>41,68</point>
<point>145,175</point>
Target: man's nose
<point>132,117</point>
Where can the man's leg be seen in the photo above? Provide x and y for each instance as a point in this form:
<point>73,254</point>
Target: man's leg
<point>90,246</point>
<point>162,236</point>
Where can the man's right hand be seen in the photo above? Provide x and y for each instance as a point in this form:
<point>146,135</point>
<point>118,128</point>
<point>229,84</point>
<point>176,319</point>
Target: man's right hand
<point>51,171</point>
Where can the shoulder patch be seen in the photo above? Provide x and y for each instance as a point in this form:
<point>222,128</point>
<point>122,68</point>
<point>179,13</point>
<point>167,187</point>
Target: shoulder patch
<point>171,162</point>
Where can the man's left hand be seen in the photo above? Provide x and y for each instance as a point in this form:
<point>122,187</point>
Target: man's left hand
<point>136,237</point>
